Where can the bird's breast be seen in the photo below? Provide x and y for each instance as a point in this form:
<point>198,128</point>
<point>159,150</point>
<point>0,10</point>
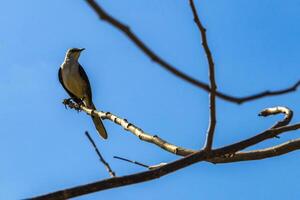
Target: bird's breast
<point>73,81</point>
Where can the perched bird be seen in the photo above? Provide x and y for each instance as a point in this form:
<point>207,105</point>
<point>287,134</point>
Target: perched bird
<point>75,81</point>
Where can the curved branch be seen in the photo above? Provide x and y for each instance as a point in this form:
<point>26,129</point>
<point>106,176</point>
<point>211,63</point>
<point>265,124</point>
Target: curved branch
<point>276,110</point>
<point>102,14</point>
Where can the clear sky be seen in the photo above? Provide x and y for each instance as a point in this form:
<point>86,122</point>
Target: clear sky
<point>43,147</point>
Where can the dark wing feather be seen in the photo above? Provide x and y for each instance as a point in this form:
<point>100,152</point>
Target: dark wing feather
<point>70,93</point>
<point>85,77</point>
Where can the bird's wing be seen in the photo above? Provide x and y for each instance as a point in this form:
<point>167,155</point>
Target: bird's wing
<point>88,85</point>
<point>70,93</point>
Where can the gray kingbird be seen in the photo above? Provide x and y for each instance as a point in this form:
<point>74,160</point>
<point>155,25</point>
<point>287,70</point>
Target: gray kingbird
<point>76,83</point>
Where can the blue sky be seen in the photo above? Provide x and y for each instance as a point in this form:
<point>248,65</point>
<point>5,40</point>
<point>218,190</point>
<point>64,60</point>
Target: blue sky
<point>43,147</point>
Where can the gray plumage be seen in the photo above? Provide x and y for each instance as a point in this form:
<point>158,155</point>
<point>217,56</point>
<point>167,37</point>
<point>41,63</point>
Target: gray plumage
<point>76,83</point>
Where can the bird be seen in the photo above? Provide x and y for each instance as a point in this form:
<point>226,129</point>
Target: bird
<point>75,81</point>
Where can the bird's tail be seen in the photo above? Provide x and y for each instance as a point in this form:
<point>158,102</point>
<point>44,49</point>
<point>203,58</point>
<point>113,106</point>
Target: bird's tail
<point>99,125</point>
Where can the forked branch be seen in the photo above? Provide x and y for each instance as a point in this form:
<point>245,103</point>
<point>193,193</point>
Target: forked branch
<point>226,154</point>
<point>221,155</point>
<point>102,14</point>
<point>156,140</point>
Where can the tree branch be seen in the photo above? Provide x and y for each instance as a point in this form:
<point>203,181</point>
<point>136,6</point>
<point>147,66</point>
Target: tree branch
<point>220,155</point>
<point>277,150</point>
<point>132,161</point>
<point>217,156</point>
<point>270,133</point>
<point>108,168</point>
<point>102,14</point>
<point>179,164</point>
<point>150,167</point>
<point>154,139</point>
<point>213,86</point>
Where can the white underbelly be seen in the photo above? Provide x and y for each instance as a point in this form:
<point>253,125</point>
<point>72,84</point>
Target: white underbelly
<point>74,82</point>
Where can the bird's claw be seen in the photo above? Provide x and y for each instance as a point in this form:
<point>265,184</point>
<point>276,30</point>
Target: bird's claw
<point>67,102</point>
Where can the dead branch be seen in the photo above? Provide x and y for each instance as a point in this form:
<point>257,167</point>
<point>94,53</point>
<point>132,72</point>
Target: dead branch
<point>107,166</point>
<point>103,15</point>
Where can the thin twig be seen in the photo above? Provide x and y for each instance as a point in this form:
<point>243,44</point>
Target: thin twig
<point>213,86</point>
<point>102,14</point>
<point>150,167</point>
<point>132,161</point>
<point>108,168</point>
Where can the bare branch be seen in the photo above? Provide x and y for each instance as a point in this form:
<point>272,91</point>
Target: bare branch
<point>267,134</point>
<point>108,168</point>
<point>132,161</point>
<point>278,150</point>
<point>229,153</point>
<point>154,139</point>
<point>151,167</point>
<point>219,155</point>
<point>213,86</point>
<point>171,167</point>
<point>102,14</point>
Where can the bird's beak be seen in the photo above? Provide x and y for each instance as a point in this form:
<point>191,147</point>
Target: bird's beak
<point>81,49</point>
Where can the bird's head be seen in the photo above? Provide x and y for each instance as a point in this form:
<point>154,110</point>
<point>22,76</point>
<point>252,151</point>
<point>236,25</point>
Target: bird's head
<point>74,53</point>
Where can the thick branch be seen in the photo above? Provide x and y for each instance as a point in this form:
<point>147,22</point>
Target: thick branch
<point>213,86</point>
<point>270,133</point>
<point>219,155</point>
<point>168,168</point>
<point>155,58</point>
<point>134,130</point>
